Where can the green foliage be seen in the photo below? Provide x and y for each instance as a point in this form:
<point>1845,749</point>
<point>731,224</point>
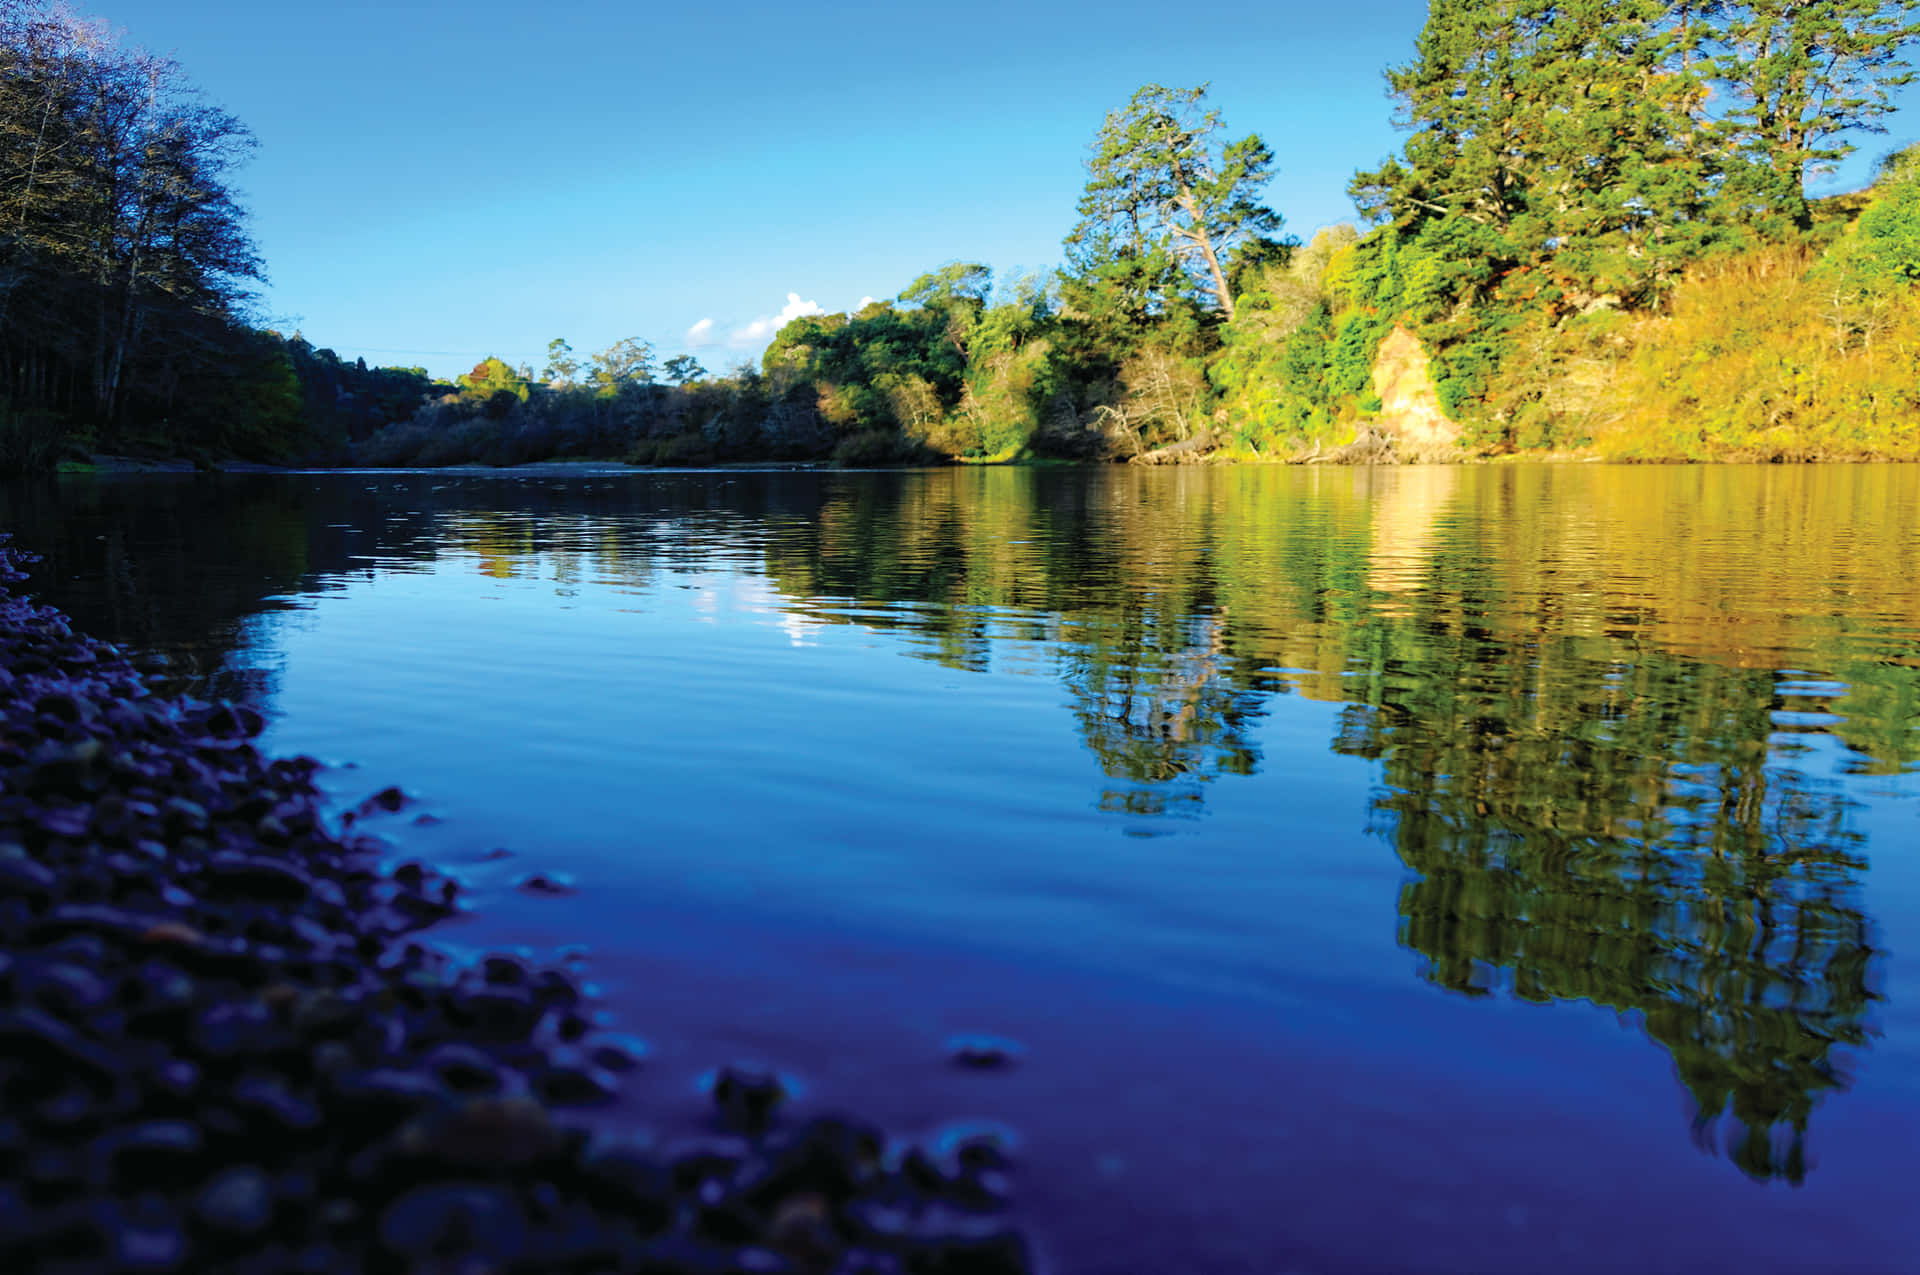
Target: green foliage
<point>1574,139</point>
<point>684,369</point>
<point>491,376</point>
<point>562,367</point>
<point>1883,250</point>
<point>1802,77</point>
<point>1168,202</point>
<point>620,368</point>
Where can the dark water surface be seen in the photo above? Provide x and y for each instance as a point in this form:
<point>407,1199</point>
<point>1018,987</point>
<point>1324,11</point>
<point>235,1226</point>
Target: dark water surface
<point>1478,870</point>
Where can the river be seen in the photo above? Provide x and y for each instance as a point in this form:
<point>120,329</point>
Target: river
<point>1477,869</point>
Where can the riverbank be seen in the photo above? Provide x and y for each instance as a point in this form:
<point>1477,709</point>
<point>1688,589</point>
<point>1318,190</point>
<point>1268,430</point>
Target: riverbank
<point>1373,450</point>
<point>227,1049</point>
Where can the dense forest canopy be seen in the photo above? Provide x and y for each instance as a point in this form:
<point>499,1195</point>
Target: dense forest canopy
<point>1589,195</point>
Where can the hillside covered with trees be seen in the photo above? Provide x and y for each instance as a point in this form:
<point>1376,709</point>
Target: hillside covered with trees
<point>1596,238</point>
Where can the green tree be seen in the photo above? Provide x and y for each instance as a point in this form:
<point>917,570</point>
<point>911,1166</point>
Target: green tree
<point>1803,75</point>
<point>684,369</point>
<point>1883,250</point>
<point>491,376</point>
<point>1561,133</point>
<point>1165,188</point>
<point>562,367</point>
<point>625,363</point>
<point>954,296</point>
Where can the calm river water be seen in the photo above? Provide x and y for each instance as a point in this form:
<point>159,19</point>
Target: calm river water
<point>1461,869</point>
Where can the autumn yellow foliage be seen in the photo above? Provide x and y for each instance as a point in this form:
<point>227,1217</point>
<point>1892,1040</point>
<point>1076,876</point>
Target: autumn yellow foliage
<point>1764,356</point>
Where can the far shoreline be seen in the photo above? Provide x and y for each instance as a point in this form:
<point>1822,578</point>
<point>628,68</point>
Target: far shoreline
<point>586,468</point>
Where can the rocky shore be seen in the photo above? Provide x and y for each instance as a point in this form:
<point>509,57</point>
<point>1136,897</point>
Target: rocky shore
<point>223,1047</point>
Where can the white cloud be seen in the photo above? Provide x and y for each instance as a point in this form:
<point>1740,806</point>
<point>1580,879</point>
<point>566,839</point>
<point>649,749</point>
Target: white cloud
<point>761,330</point>
<point>864,303</point>
<point>700,333</point>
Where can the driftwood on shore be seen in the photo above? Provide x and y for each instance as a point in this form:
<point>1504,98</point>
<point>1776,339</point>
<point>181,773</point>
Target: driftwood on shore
<point>1369,447</point>
<point>1185,452</point>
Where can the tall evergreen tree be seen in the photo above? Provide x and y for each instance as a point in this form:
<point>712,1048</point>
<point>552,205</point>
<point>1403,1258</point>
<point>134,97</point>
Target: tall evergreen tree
<point>1560,132</point>
<point>1168,197</point>
<point>1800,76</point>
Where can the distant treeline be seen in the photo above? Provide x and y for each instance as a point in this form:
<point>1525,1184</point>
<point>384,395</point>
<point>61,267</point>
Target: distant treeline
<point>1596,238</point>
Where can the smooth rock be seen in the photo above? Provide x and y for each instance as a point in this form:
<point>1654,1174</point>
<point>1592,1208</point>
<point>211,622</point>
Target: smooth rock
<point>237,1201</point>
<point>984,1052</point>
<point>747,1098</point>
<point>448,1219</point>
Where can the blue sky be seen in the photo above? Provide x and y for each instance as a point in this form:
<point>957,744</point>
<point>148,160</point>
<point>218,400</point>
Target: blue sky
<point>437,182</point>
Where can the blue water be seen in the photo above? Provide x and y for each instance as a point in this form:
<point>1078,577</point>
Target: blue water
<point>1381,871</point>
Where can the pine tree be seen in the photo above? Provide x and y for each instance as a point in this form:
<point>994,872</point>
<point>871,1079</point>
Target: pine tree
<point>1167,198</point>
<point>1800,76</point>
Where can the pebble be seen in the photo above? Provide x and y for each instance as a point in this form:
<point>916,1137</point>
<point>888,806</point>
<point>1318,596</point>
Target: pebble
<point>448,1219</point>
<point>237,1201</point>
<point>747,1098</point>
<point>618,1053</point>
<point>571,1082</point>
<point>984,1052</point>
<point>547,883</point>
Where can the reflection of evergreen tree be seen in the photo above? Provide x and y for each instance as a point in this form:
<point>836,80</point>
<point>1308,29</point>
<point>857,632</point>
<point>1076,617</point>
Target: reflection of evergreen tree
<point>1159,706</point>
<point>1587,829</point>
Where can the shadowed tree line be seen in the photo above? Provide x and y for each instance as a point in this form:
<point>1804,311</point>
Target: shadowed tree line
<point>124,259</point>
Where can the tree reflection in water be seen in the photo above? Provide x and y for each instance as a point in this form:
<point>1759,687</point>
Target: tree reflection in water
<point>1620,838</point>
<point>1589,726</point>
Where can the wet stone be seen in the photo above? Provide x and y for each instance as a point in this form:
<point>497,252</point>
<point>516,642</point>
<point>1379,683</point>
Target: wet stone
<point>233,721</point>
<point>747,1098</point>
<point>38,1038</point>
<point>156,1153</point>
<point>237,1201</point>
<point>453,1218</point>
<point>631,1183</point>
<point>184,815</point>
<point>618,1053</point>
<point>69,822</point>
<point>984,1053</point>
<point>573,1082</point>
<point>67,990</point>
<point>67,1110</point>
<point>268,1098</point>
<point>254,877</point>
<point>148,1236</point>
<point>484,1133</point>
<point>22,876</point>
<point>497,1013</point>
<point>505,971</point>
<point>464,1069</point>
<point>387,800</point>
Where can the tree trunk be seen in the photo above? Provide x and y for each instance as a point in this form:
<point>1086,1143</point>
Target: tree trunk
<point>1197,235</point>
